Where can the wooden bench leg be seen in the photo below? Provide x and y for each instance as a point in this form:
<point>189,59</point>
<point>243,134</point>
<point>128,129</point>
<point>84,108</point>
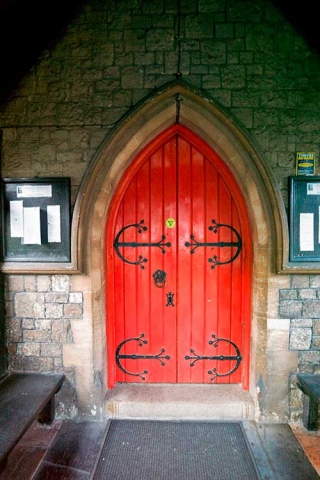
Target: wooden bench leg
<point>46,416</point>
<point>310,412</point>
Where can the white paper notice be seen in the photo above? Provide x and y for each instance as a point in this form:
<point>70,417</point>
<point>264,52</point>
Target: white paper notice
<point>306,232</point>
<point>16,218</point>
<point>31,220</point>
<point>313,188</point>
<point>34,191</point>
<point>54,229</point>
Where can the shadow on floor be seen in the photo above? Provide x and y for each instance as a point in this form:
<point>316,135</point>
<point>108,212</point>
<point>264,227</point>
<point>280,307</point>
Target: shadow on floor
<point>70,450</point>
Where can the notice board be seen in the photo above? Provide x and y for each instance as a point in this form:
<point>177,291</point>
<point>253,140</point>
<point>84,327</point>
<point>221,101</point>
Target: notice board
<point>304,211</point>
<point>36,219</point>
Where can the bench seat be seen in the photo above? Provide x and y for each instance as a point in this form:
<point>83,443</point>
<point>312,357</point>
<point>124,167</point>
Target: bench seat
<point>24,397</point>
<point>309,384</point>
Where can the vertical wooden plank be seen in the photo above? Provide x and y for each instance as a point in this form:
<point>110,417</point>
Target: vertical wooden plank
<point>236,334</point>
<point>131,325</point>
<point>117,303</point>
<point>198,265</point>
<point>157,262</point>
<point>143,274</point>
<point>184,309</point>
<point>224,271</point>
<point>211,275</point>
<point>170,265</point>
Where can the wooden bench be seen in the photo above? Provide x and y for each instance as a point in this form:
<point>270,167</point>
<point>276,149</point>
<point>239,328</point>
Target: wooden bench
<point>24,397</point>
<point>309,384</point>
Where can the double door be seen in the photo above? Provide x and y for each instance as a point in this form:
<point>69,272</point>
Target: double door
<point>179,268</point>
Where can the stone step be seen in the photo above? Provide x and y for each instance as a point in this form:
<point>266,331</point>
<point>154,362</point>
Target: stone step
<point>176,402</point>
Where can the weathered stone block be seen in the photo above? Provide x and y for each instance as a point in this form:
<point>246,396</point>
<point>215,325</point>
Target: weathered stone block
<point>288,294</point>
<point>307,293</point>
<point>13,330</point>
<point>233,76</point>
<point>43,325</point>
<point>8,296</point>
<point>290,309</point>
<point>30,283</point>
<point>56,297</point>
<point>11,349</point>
<point>224,30</point>
<point>28,324</point>
<point>58,365</point>
<point>213,53</point>
<point>61,283</point>
<point>316,343</point>
<point>211,81</point>
<point>295,398</point>
<point>300,338</point>
<point>160,39</point>
<point>132,77</point>
<point>61,331</point>
<point>36,336</point>
<point>72,310</point>
<point>9,311</point>
<point>311,309</point>
<point>316,327</point>
<point>75,297</point>
<point>199,26</point>
<point>300,281</point>
<point>309,357</point>
<point>37,364</point>
<point>29,304</point>
<point>301,322</point>
<point>53,310</point>
<point>51,350</point>
<point>16,363</point>
<point>314,281</point>
<point>14,283</point>
<point>28,349</point>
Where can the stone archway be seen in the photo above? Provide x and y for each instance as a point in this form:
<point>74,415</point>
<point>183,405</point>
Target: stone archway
<point>209,122</point>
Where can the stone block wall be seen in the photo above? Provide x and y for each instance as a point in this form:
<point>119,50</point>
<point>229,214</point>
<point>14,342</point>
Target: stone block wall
<point>300,306</point>
<point>115,54</point>
<point>242,55</point>
<point>39,310</point>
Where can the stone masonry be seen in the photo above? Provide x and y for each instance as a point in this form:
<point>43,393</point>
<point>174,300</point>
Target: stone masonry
<point>301,305</point>
<point>39,310</point>
<point>244,56</point>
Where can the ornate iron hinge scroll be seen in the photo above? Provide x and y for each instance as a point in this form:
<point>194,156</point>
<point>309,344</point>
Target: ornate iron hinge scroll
<point>237,358</point>
<point>141,228</point>
<point>160,357</point>
<point>214,260</point>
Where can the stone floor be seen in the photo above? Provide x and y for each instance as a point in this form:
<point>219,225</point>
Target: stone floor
<point>69,450</point>
<point>310,442</point>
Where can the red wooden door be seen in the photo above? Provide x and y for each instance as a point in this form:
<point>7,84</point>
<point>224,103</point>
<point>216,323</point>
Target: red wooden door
<point>179,268</point>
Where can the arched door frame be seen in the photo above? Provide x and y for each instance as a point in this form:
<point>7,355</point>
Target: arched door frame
<point>178,102</point>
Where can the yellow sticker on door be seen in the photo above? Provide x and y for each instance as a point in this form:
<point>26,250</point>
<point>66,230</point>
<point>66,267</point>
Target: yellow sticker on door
<point>170,222</point>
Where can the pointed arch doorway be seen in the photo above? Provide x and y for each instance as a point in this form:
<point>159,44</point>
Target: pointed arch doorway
<point>179,262</point>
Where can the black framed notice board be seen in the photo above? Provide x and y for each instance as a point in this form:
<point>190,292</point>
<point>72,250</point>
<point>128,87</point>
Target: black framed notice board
<point>304,218</point>
<point>36,219</point>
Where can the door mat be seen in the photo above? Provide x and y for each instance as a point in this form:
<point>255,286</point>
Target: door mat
<point>172,450</point>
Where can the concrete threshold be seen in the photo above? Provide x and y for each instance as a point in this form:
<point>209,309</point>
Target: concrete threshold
<point>176,402</point>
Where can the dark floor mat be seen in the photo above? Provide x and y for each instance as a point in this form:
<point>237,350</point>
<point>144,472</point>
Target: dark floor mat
<point>164,450</point>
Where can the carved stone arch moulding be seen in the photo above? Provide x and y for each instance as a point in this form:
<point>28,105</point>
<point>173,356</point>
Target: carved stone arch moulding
<point>178,102</point>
